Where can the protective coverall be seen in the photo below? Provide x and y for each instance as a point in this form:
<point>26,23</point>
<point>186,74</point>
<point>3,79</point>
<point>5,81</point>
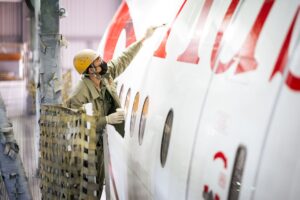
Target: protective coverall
<point>104,100</point>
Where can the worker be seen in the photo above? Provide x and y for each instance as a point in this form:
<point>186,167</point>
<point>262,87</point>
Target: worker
<point>97,87</point>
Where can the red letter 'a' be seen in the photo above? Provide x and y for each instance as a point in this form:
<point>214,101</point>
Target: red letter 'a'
<point>121,20</point>
<point>245,56</point>
<point>292,81</point>
<point>161,51</point>
<point>191,53</point>
<point>225,23</point>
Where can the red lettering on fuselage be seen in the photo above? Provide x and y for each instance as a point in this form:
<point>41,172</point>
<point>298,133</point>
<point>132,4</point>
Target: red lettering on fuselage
<point>161,51</point>
<point>191,53</point>
<point>245,56</point>
<point>226,20</point>
<point>122,20</point>
<point>292,81</point>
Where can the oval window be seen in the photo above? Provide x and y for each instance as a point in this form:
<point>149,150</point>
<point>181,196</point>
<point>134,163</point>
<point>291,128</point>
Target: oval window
<point>126,105</point>
<point>134,112</point>
<point>143,120</point>
<point>166,138</point>
<point>237,174</point>
<point>121,93</point>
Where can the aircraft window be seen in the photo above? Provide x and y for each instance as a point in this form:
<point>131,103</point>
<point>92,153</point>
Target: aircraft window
<point>166,138</point>
<point>126,105</point>
<point>133,113</point>
<point>143,120</point>
<point>237,174</point>
<point>121,92</point>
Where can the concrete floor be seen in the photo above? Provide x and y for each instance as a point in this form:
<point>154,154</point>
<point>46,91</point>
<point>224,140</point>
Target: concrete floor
<point>24,129</point>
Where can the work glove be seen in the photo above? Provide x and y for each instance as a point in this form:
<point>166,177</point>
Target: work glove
<point>116,118</point>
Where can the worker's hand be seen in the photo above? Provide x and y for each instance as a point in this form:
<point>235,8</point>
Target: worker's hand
<point>116,117</point>
<point>150,31</point>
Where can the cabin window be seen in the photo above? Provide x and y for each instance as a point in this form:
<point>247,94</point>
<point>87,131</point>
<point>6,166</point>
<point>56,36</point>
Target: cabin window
<point>121,93</point>
<point>237,174</point>
<point>126,105</point>
<point>166,138</point>
<point>143,120</point>
<point>134,113</point>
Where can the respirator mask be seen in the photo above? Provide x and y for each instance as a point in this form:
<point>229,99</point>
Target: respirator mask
<point>104,68</point>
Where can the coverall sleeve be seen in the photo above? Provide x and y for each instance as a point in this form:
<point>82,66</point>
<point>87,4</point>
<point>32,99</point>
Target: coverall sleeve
<point>118,65</point>
<point>74,102</point>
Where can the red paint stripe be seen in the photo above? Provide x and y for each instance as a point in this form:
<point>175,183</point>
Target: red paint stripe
<point>206,188</point>
<point>292,80</point>
<point>220,155</point>
<point>161,51</point>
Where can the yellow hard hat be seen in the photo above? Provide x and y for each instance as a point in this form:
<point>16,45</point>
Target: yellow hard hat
<point>83,59</point>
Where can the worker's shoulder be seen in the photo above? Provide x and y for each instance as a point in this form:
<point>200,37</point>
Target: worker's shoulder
<point>80,87</point>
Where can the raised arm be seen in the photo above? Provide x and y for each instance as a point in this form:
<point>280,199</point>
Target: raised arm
<point>118,65</point>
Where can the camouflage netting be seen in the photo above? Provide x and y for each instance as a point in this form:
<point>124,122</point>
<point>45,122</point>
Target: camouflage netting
<point>68,154</point>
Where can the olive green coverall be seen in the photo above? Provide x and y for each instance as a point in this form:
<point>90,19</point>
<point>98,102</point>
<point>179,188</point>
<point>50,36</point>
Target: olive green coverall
<point>104,100</point>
